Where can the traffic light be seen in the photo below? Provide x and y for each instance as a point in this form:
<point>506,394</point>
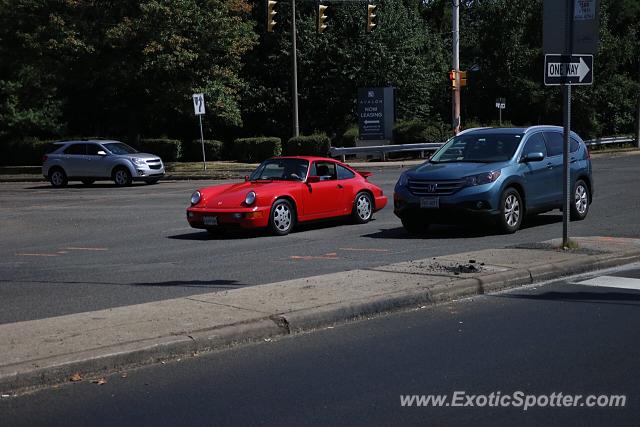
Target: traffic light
<point>463,78</point>
<point>271,13</point>
<point>462,75</point>
<point>452,77</point>
<point>371,17</point>
<point>322,25</point>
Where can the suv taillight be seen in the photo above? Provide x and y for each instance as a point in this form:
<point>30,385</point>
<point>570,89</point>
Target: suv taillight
<point>588,153</point>
<point>44,158</point>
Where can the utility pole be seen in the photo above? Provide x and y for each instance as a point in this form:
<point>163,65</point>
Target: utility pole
<point>456,65</point>
<point>638,115</point>
<point>294,54</point>
<point>566,173</point>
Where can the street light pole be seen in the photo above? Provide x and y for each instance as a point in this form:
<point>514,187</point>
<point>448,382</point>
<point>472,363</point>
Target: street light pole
<point>294,54</point>
<point>456,65</point>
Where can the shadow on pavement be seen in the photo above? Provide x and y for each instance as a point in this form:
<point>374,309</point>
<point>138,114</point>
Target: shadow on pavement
<point>240,233</point>
<point>615,297</point>
<point>224,284</point>
<point>453,231</point>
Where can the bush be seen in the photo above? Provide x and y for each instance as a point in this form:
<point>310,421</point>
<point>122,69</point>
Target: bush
<point>170,150</point>
<point>350,137</point>
<point>255,150</point>
<point>312,145</point>
<point>213,149</point>
<point>24,152</point>
<point>417,132</point>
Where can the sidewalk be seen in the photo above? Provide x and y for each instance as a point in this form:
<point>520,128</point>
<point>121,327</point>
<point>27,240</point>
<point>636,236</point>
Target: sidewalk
<point>48,351</point>
<point>233,170</point>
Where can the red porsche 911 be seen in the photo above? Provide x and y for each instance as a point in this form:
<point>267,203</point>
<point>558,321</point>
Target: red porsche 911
<point>284,191</point>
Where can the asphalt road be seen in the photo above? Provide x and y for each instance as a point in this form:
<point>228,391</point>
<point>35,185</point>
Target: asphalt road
<point>554,338</point>
<point>87,248</point>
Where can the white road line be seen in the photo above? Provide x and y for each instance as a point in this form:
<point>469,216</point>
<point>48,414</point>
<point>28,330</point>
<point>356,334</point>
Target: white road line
<point>612,282</point>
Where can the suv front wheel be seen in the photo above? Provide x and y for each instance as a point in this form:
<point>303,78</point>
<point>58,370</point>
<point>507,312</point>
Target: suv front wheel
<point>511,211</point>
<point>122,177</point>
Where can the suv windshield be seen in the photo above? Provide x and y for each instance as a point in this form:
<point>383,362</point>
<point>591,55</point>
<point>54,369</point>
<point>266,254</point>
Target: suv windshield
<point>119,148</point>
<point>281,169</point>
<point>478,148</point>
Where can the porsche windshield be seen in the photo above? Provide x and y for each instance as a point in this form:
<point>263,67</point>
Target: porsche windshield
<point>478,148</point>
<point>281,169</point>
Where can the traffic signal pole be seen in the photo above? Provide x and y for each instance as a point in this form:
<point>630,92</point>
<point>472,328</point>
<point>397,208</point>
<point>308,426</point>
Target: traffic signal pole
<point>456,65</point>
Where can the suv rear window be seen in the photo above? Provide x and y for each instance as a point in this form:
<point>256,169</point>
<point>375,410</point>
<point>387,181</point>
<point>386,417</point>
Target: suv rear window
<point>50,147</point>
<point>77,149</point>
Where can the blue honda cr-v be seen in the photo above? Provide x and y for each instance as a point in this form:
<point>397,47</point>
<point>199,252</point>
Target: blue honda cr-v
<point>501,173</point>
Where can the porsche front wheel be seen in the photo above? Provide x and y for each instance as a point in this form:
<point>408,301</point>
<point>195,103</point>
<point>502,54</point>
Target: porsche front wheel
<point>282,217</point>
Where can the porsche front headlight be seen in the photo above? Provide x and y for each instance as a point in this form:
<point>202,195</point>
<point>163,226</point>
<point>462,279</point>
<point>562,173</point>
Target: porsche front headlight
<point>251,198</point>
<point>195,198</point>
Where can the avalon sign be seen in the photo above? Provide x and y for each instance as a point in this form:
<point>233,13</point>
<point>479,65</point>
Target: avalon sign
<point>376,113</point>
<point>568,69</point>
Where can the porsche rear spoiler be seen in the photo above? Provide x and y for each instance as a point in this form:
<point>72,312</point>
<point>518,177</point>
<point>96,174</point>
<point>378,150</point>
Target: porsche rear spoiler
<point>365,174</point>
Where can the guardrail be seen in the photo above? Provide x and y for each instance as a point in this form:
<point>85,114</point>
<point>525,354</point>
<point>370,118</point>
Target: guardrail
<point>385,149</point>
<point>431,146</point>
<point>610,140</point>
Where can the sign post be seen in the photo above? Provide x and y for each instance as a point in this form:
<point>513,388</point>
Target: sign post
<point>501,104</point>
<point>198,107</point>
<point>570,38</point>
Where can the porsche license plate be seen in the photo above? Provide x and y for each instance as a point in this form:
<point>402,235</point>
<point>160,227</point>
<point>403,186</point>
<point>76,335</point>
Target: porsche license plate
<point>210,220</point>
<point>429,202</point>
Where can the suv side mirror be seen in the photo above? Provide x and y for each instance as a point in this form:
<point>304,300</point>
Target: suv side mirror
<point>532,157</point>
<point>102,153</point>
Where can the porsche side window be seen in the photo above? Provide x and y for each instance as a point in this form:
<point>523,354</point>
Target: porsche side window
<point>326,170</point>
<point>344,173</point>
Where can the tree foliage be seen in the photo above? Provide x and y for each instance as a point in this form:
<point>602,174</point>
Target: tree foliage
<point>123,69</point>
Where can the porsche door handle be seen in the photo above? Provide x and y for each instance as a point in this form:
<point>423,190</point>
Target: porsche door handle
<point>340,186</point>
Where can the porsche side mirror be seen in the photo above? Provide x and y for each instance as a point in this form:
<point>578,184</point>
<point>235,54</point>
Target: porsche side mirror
<point>313,179</point>
<point>246,178</point>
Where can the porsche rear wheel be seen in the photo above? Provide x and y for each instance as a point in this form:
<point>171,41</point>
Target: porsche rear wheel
<point>362,208</point>
<point>282,217</point>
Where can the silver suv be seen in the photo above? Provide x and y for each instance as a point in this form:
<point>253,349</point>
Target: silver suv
<point>92,160</point>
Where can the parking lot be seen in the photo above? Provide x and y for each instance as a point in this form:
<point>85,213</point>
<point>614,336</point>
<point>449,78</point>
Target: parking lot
<point>86,248</point>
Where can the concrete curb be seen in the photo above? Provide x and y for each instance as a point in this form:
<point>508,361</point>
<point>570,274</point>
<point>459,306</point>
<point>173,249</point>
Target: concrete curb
<point>94,363</point>
<point>101,361</point>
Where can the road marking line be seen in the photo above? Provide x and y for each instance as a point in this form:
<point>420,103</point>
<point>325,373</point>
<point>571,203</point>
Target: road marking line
<point>364,249</point>
<point>332,255</point>
<point>74,248</point>
<point>612,282</point>
<point>18,254</point>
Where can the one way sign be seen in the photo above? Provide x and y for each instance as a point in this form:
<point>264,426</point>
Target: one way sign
<point>568,69</point>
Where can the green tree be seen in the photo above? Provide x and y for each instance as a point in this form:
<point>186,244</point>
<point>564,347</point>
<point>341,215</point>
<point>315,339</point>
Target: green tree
<point>401,52</point>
